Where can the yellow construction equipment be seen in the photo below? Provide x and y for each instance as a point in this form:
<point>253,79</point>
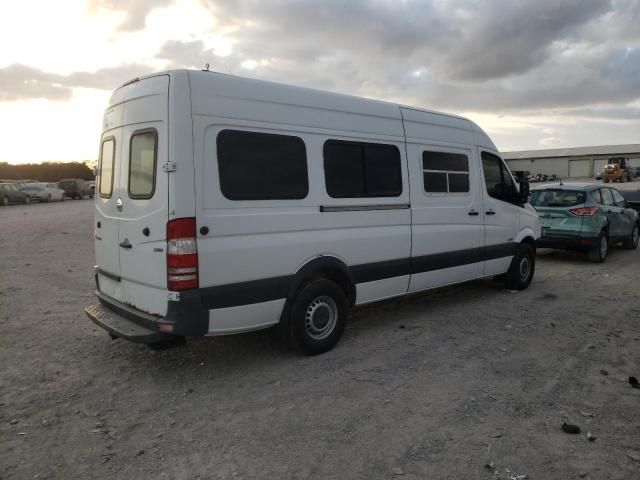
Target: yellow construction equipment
<point>616,170</point>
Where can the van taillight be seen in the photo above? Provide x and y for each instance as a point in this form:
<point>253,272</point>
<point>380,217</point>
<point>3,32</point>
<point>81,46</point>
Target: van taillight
<point>182,254</point>
<point>584,211</point>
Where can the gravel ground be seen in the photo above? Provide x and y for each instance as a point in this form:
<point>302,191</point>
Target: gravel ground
<point>431,386</point>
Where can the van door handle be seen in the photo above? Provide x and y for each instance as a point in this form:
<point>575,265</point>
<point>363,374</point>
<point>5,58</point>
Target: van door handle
<point>125,243</point>
<point>473,213</point>
<point>490,212</point>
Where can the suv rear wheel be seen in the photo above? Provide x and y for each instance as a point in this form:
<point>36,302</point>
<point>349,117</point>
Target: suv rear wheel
<point>318,317</point>
<point>598,253</point>
<point>632,242</point>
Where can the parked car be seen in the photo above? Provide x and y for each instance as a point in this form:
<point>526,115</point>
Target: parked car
<point>44,192</point>
<point>587,217</point>
<point>598,175</point>
<point>75,188</point>
<point>22,183</point>
<point>540,177</point>
<point>92,187</point>
<point>299,205</point>
<point>522,175</point>
<point>633,198</point>
<point>635,171</point>
<point>9,193</point>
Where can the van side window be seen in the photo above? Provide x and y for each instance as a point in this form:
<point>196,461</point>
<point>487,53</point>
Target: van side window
<point>105,167</point>
<point>143,153</point>
<point>595,195</point>
<point>357,169</point>
<point>262,166</point>
<point>497,178</point>
<point>445,172</point>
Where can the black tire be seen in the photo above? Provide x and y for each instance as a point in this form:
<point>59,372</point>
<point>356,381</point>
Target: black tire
<point>522,268</point>
<point>318,317</point>
<point>632,242</point>
<point>599,253</point>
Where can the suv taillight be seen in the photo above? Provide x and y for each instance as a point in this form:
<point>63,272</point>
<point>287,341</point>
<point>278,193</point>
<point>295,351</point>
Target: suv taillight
<point>182,254</point>
<point>584,211</point>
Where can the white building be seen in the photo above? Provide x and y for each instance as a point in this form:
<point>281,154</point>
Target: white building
<point>570,162</point>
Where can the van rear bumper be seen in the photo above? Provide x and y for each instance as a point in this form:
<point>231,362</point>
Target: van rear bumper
<point>185,317</point>
<point>122,327</point>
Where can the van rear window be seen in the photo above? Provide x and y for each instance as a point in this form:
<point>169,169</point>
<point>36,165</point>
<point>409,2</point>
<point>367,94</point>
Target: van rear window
<point>261,166</point>
<point>107,157</point>
<point>143,153</point>
<point>356,169</point>
<point>556,198</point>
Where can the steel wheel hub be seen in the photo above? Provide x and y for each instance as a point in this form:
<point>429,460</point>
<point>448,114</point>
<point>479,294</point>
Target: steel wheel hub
<point>525,268</point>
<point>321,317</point>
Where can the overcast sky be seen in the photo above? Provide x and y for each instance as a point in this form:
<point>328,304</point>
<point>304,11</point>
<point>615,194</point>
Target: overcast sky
<point>534,74</point>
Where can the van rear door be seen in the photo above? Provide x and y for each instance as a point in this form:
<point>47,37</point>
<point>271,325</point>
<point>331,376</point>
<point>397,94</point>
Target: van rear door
<point>139,203</point>
<point>106,214</point>
<point>143,192</point>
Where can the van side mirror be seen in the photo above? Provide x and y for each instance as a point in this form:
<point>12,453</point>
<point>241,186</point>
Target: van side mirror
<point>522,196</point>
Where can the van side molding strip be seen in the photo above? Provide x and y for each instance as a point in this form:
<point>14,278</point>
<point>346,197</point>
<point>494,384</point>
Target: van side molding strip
<point>360,208</point>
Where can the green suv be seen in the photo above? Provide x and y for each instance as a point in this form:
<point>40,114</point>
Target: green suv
<point>587,217</point>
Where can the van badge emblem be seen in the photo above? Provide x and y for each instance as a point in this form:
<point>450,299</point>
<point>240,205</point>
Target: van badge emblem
<point>119,204</point>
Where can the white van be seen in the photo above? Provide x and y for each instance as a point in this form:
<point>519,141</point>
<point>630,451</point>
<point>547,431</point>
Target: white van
<point>226,204</point>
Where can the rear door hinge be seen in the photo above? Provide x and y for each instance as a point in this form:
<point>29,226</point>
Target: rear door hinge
<point>169,167</point>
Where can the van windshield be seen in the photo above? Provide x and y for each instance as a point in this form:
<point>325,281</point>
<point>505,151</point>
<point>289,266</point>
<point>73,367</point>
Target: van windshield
<point>556,198</point>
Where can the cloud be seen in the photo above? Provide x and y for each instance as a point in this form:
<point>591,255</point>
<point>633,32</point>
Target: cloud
<point>21,82</point>
<point>486,56</point>
<point>136,11</point>
<point>569,58</point>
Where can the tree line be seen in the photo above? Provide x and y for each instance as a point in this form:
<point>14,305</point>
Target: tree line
<point>47,171</point>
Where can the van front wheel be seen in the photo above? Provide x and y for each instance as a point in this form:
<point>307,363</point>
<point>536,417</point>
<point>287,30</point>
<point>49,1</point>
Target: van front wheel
<point>318,317</point>
<point>522,267</point>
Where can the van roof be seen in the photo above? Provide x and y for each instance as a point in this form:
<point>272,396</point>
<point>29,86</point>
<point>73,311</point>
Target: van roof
<point>308,89</point>
<point>235,86</point>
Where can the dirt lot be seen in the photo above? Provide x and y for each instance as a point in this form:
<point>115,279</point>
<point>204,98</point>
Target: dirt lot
<point>431,386</point>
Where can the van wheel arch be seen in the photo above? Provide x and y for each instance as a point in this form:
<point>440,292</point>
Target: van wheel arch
<point>530,241</point>
<point>323,267</point>
<point>327,267</point>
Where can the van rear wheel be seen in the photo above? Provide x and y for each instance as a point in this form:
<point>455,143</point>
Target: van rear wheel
<point>318,317</point>
<point>522,267</point>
